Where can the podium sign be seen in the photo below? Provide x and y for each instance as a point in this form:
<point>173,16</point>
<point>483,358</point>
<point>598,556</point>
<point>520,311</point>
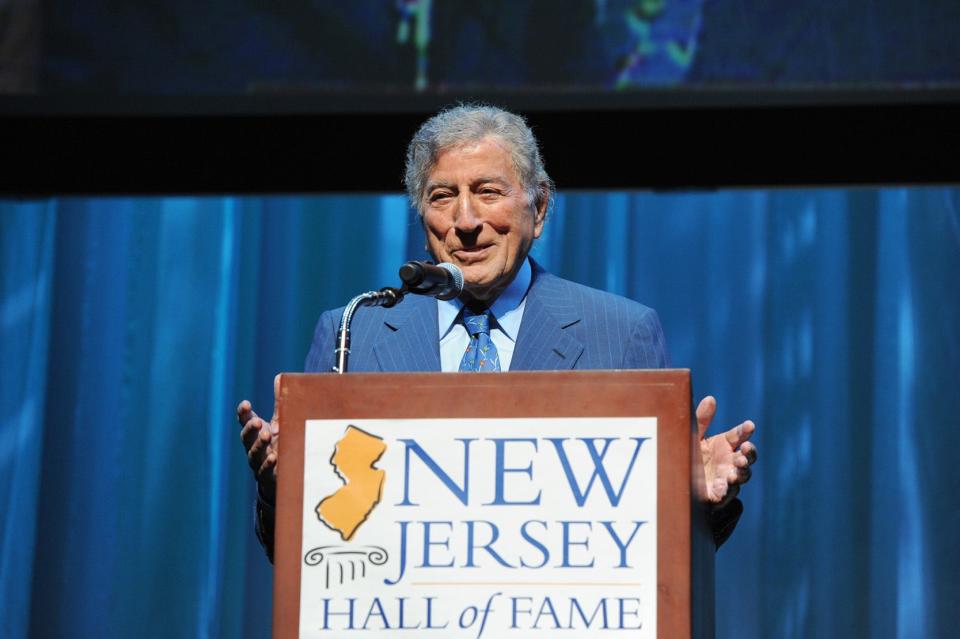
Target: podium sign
<point>471,505</point>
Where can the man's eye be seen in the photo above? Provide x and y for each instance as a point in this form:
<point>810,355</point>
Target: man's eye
<point>436,197</point>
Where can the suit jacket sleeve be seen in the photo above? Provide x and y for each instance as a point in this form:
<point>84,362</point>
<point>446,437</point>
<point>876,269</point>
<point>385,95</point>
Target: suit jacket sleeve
<point>647,349</point>
<point>320,359</point>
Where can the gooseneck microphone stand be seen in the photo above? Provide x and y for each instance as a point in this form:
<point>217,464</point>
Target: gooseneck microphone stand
<point>386,297</point>
<point>442,281</point>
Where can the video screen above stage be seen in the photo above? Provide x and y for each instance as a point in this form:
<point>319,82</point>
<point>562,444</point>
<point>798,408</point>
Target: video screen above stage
<point>392,47</point>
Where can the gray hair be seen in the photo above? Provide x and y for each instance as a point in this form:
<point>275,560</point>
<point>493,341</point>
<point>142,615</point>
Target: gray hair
<point>469,123</point>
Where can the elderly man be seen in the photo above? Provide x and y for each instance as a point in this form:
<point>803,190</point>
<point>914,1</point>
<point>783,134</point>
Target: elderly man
<point>476,177</point>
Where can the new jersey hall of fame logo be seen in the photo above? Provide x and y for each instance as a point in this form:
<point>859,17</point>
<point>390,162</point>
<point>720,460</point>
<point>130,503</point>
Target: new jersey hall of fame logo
<point>479,528</point>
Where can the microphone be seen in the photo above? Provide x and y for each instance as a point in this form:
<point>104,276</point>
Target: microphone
<point>443,281</point>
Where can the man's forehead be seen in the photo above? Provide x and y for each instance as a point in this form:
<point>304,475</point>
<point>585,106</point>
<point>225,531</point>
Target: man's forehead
<point>473,145</point>
<point>488,158</point>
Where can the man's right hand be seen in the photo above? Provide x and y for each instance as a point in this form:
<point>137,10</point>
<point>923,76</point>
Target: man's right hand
<point>260,439</point>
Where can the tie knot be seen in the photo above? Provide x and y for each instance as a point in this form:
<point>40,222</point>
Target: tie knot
<point>477,323</point>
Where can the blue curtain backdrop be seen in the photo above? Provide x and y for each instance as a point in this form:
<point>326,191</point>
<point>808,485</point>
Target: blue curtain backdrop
<point>131,327</point>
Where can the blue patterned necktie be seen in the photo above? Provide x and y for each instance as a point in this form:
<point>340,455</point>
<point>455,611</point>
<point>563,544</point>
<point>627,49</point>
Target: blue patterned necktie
<point>481,354</point>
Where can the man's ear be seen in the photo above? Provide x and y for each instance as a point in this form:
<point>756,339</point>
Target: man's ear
<point>540,213</point>
<point>426,243</point>
<point>423,224</point>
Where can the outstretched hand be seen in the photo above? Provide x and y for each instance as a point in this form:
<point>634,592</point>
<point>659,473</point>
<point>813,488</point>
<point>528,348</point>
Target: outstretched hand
<point>727,457</point>
<point>260,439</point>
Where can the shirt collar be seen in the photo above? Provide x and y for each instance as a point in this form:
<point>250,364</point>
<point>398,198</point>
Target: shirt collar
<point>507,309</point>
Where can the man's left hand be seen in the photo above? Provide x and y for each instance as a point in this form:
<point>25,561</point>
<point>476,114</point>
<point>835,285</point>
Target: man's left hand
<point>727,457</point>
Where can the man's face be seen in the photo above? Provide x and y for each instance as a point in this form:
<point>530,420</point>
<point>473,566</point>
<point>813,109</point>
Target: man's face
<point>476,216</point>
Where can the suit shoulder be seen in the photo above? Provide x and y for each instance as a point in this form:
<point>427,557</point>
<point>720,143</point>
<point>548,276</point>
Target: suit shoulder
<point>617,332</point>
<point>589,298</point>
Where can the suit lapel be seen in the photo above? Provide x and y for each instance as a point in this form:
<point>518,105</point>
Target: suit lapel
<point>543,342</point>
<point>409,340</point>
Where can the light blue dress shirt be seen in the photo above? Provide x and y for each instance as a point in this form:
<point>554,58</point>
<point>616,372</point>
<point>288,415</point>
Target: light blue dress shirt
<point>507,310</point>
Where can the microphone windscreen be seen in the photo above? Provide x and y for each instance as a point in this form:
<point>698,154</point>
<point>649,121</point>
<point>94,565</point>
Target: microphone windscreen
<point>457,275</point>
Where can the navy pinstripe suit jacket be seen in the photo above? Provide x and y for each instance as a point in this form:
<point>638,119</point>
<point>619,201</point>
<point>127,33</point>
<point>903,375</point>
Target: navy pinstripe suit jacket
<point>565,326</point>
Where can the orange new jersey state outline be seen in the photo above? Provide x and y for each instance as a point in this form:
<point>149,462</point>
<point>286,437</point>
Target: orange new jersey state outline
<point>352,460</point>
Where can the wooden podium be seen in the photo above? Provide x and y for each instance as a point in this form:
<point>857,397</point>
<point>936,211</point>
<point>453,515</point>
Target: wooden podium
<point>683,544</point>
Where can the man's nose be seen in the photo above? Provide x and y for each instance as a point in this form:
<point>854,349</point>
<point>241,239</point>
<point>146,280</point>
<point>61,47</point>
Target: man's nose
<point>467,219</point>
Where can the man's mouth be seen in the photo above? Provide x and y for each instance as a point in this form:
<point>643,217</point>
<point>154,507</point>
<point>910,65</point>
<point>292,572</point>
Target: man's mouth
<point>472,253</point>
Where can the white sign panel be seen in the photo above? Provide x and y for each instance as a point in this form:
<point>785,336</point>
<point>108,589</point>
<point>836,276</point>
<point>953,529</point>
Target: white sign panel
<point>480,528</point>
